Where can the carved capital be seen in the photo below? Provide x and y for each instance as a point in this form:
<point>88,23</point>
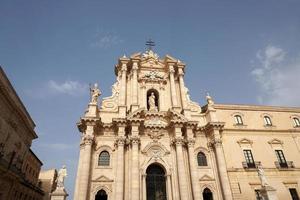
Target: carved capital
<point>217,142</point>
<point>171,69</point>
<point>120,141</point>
<point>180,72</point>
<point>135,140</point>
<point>191,142</point>
<point>124,67</point>
<point>178,141</point>
<point>88,139</point>
<point>135,66</point>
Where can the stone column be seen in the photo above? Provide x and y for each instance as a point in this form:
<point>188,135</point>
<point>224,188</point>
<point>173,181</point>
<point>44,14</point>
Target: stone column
<point>217,142</point>
<point>85,166</point>
<point>120,142</point>
<point>135,141</point>
<point>123,83</point>
<point>182,87</point>
<point>193,169</point>
<point>144,187</point>
<point>134,85</point>
<point>173,87</point>
<point>80,160</point>
<point>183,189</point>
<point>169,187</point>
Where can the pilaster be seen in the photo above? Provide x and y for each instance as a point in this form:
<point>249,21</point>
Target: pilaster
<point>172,85</point>
<point>135,104</point>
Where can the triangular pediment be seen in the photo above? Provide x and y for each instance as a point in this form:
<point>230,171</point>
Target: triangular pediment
<point>206,177</point>
<point>244,141</point>
<point>169,58</point>
<point>103,179</point>
<point>275,141</point>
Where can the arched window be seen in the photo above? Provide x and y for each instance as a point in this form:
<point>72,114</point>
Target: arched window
<point>238,119</point>
<point>152,100</point>
<point>201,158</point>
<point>268,121</point>
<point>101,195</point>
<point>296,122</point>
<point>207,194</point>
<point>104,159</point>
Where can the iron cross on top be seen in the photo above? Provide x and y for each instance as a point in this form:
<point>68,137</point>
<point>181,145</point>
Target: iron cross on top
<point>150,44</point>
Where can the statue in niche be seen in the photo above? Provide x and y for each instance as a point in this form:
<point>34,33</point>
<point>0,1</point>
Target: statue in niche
<point>151,102</point>
<point>62,174</point>
<point>95,93</point>
<point>262,177</point>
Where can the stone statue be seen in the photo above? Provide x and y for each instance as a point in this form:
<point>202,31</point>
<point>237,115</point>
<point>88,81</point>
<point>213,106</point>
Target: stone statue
<point>187,94</point>
<point>95,93</point>
<point>62,173</point>
<point>151,102</point>
<point>262,177</point>
<point>209,100</point>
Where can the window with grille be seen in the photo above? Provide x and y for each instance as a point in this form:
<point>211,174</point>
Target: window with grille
<point>249,158</point>
<point>268,121</point>
<point>296,122</point>
<point>104,159</point>
<point>201,158</point>
<point>294,194</point>
<point>281,158</point>
<point>238,120</point>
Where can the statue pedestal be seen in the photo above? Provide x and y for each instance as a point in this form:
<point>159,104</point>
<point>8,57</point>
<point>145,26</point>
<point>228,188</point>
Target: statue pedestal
<point>92,110</point>
<point>268,193</point>
<point>59,194</point>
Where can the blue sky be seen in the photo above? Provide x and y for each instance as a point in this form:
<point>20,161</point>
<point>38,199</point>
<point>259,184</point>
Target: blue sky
<point>245,52</point>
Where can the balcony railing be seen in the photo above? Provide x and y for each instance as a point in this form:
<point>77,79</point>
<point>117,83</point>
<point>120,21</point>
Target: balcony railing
<point>284,165</point>
<point>253,165</point>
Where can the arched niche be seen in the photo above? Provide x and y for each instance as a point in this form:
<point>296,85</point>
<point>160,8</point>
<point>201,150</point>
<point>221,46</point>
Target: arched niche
<point>156,95</point>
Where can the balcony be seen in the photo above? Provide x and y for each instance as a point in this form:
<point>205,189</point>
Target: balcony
<point>284,165</point>
<point>253,165</point>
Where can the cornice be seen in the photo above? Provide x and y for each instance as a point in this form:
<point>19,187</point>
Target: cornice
<point>257,108</point>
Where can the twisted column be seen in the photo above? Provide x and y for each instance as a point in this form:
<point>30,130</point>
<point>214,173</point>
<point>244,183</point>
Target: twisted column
<point>85,167</point>
<point>135,141</point>
<point>193,169</point>
<point>180,167</point>
<point>120,142</point>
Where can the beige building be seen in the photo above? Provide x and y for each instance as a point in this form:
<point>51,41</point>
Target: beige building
<point>19,166</point>
<point>47,180</point>
<point>150,141</point>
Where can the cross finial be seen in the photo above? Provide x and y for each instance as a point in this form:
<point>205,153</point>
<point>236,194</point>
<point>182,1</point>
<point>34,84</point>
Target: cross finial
<point>150,44</point>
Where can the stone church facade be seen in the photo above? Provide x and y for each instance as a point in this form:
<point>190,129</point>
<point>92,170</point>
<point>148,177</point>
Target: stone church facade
<point>150,141</point>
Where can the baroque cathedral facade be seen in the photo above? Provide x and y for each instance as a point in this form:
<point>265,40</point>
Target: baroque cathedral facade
<point>150,141</point>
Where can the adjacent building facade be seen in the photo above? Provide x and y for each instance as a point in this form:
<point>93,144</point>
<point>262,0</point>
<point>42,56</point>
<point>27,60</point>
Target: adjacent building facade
<point>150,141</point>
<point>19,166</point>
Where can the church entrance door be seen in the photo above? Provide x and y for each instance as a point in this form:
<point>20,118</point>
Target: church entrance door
<point>207,195</point>
<point>101,195</point>
<point>156,183</point>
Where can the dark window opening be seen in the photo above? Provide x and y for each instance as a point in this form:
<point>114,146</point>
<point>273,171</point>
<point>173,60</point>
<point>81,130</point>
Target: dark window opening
<point>281,158</point>
<point>104,159</point>
<point>101,195</point>
<point>201,158</point>
<point>207,194</point>
<point>294,193</point>
<point>249,158</point>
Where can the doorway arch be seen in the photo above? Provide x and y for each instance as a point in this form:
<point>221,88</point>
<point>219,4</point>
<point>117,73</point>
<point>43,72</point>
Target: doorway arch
<point>156,183</point>
<point>207,194</point>
<point>101,195</point>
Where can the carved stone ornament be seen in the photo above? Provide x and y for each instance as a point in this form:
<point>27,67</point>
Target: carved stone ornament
<point>150,54</point>
<point>217,142</point>
<point>178,141</point>
<point>95,93</point>
<point>191,142</point>
<point>156,150</point>
<point>153,75</point>
<point>135,140</point>
<point>155,122</point>
<point>111,103</point>
<point>88,139</point>
<point>155,135</point>
<point>120,141</point>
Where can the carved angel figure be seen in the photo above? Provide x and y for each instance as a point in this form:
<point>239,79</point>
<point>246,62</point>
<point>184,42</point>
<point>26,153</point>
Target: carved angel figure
<point>95,93</point>
<point>62,173</point>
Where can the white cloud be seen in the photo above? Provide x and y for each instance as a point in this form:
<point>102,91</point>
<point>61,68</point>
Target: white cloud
<point>74,88</point>
<point>278,77</point>
<point>105,39</point>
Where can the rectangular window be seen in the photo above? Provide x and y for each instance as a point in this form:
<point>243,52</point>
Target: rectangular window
<point>258,195</point>
<point>294,194</point>
<point>249,158</point>
<point>281,158</point>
